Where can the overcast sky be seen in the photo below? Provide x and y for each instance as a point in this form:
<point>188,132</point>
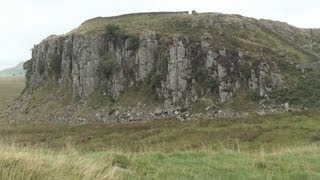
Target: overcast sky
<point>25,23</point>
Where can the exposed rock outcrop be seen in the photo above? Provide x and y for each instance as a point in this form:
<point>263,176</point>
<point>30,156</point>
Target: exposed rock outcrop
<point>181,65</point>
<point>79,57</point>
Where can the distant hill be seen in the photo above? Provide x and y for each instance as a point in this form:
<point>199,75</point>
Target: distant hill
<point>14,71</point>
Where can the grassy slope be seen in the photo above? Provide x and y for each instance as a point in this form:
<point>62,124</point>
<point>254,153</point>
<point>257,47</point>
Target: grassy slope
<point>248,134</point>
<point>230,31</point>
<point>273,147</point>
<point>280,147</point>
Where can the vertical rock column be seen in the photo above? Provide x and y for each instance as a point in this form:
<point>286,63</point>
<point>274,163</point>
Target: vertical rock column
<point>145,56</point>
<point>179,70</point>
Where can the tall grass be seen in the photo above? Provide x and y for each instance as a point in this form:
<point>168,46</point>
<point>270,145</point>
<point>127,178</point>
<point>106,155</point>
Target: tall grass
<point>249,133</point>
<point>284,163</point>
<point>29,163</point>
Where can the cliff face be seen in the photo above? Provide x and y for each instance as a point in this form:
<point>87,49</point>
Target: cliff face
<point>201,56</point>
<point>192,69</point>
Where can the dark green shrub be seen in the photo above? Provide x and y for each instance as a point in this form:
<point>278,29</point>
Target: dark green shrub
<point>113,32</point>
<point>133,43</point>
<point>245,69</point>
<point>213,84</point>
<point>108,65</point>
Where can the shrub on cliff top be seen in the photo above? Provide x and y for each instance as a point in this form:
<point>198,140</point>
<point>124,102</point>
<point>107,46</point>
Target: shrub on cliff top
<point>115,34</point>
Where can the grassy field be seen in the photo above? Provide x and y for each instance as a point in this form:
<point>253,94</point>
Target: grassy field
<point>284,146</point>
<point>287,163</point>
<point>10,88</point>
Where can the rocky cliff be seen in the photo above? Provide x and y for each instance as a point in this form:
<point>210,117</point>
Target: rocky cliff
<point>176,59</point>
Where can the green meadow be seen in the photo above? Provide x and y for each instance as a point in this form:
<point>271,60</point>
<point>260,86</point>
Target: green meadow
<point>282,146</point>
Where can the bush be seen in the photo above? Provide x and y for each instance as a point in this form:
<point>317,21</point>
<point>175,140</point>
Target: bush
<point>213,84</point>
<point>108,65</point>
<point>133,43</point>
<point>118,37</point>
<point>245,69</point>
<point>113,32</point>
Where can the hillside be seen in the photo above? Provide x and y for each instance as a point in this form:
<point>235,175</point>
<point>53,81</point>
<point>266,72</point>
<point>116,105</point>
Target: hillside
<point>283,146</point>
<point>170,64</point>
<point>16,71</point>
<point>166,95</point>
